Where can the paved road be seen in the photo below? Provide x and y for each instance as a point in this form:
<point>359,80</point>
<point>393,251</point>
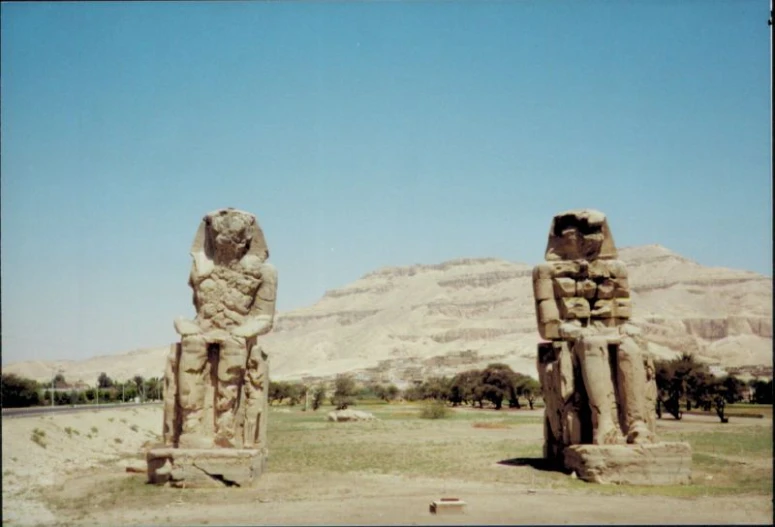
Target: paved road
<point>11,413</point>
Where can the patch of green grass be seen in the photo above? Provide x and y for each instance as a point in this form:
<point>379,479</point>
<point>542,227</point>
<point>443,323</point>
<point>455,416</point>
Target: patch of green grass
<point>134,428</point>
<point>725,439</point>
<point>118,440</point>
<point>94,430</point>
<point>111,419</point>
<point>400,443</point>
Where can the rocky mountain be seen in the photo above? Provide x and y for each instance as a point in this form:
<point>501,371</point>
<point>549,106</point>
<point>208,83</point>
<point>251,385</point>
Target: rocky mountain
<point>402,323</point>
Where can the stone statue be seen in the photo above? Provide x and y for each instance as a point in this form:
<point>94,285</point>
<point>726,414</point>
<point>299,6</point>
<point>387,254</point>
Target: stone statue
<point>216,377</point>
<point>596,375</point>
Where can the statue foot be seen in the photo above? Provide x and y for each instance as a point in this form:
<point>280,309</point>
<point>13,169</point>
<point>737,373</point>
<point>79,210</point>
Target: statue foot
<point>607,436</point>
<point>639,434</point>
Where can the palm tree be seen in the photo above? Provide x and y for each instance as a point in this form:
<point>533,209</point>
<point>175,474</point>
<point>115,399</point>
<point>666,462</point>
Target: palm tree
<point>140,382</point>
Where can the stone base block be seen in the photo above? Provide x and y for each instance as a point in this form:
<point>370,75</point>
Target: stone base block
<point>448,506</point>
<point>184,467</point>
<point>647,464</point>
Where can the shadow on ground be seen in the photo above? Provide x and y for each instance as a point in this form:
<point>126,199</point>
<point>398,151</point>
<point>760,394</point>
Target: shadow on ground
<point>537,463</point>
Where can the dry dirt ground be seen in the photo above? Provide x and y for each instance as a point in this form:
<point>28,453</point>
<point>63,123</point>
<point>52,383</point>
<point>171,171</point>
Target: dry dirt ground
<point>71,470</point>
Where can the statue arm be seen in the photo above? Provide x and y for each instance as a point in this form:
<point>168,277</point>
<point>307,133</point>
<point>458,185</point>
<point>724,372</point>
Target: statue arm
<point>201,268</point>
<point>261,317</point>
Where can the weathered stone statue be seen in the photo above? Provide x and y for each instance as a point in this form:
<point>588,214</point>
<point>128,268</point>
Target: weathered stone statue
<point>215,398</point>
<point>596,375</point>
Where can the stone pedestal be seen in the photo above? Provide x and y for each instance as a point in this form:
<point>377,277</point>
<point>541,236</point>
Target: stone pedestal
<point>647,464</point>
<point>183,467</point>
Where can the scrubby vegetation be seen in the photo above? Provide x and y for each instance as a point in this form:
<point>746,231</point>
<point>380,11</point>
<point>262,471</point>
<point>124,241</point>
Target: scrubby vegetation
<point>434,410</point>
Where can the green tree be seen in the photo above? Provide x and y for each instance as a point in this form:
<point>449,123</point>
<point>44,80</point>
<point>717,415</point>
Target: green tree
<point>19,392</point>
<point>497,382</point>
<point>679,379</point>
<point>762,391</point>
<point>103,381</point>
<point>278,391</point>
<point>344,391</point>
<point>437,388</point>
<point>295,393</point>
<point>318,396</point>
<point>527,387</point>
<point>465,387</point>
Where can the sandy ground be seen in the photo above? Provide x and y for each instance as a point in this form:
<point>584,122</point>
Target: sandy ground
<point>80,478</point>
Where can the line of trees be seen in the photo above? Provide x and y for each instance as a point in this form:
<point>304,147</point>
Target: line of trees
<point>495,384</point>
<point>685,382</point>
<point>21,392</point>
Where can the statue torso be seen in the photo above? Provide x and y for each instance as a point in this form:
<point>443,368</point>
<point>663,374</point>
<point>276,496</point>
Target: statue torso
<point>225,297</point>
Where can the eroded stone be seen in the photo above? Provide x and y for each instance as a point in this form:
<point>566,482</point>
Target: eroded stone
<point>596,375</point>
<point>216,378</point>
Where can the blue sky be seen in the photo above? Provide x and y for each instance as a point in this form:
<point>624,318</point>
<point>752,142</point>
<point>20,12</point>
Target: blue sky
<point>362,135</point>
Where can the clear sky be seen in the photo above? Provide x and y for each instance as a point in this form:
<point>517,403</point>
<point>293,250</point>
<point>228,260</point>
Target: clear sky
<point>362,135</point>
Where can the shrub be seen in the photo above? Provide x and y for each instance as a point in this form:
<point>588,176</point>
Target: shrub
<point>19,392</point>
<point>38,436</point>
<point>434,410</point>
<point>70,431</point>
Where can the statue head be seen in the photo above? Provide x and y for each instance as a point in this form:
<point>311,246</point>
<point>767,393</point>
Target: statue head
<point>227,235</point>
<point>581,234</point>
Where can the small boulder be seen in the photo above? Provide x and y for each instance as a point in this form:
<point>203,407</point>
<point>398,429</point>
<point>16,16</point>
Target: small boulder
<point>349,415</point>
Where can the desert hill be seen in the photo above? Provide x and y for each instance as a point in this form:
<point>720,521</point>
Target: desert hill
<point>401,323</point>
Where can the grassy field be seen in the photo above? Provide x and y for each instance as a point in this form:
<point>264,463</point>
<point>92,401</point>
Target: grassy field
<point>390,465</point>
<point>487,446</point>
<point>756,411</point>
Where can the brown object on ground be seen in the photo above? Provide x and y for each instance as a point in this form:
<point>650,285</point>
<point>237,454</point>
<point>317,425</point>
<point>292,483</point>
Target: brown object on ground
<point>597,378</point>
<point>448,506</point>
<point>216,378</point>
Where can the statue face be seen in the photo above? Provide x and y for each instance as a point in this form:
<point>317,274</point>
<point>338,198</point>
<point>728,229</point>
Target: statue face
<point>575,237</point>
<point>230,232</point>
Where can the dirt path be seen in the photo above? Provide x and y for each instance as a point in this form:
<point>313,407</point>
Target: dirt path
<point>364,499</point>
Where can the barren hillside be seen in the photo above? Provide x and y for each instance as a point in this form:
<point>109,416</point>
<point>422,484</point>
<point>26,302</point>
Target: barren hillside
<point>401,323</point>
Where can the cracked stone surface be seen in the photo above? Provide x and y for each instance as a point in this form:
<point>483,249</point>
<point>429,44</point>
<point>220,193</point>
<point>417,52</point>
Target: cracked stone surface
<point>196,468</point>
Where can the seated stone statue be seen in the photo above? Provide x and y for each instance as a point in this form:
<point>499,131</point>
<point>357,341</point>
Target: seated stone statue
<point>216,377</point>
<point>597,381</point>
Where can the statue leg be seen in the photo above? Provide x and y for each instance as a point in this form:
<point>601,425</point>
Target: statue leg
<point>171,417</point>
<point>596,372</point>
<point>231,373</point>
<point>632,389</point>
<point>254,391</point>
<point>191,390</point>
